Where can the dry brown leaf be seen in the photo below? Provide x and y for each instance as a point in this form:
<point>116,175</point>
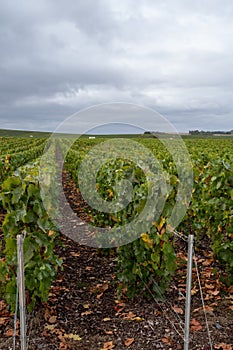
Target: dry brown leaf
<point>195,326</point>
<point>224,346</point>
<point>4,320</point>
<point>89,268</point>
<point>207,262</point>
<point>194,291</point>
<point>209,286</point>
<point>72,336</point>
<point>167,341</point>
<point>156,312</point>
<point>99,288</point>
<point>3,308</point>
<point>108,346</point>
<point>178,310</point>
<point>74,254</point>
<point>10,333</point>
<point>131,317</point>
<point>63,346</point>
<point>86,313</point>
<point>52,319</point>
<point>99,295</point>
<point>207,309</point>
<point>129,341</point>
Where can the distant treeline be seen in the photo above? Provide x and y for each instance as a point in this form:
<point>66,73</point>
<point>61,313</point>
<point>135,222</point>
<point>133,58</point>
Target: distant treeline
<point>198,132</point>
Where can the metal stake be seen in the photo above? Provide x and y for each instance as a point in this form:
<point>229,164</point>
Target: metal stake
<point>22,307</point>
<point>188,292</point>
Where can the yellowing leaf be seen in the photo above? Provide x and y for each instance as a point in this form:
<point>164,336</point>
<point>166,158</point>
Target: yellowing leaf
<point>145,237</point>
<point>50,327</point>
<point>72,336</point>
<point>132,317</point>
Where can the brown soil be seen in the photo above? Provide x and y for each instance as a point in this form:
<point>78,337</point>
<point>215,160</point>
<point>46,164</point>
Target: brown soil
<point>83,311</point>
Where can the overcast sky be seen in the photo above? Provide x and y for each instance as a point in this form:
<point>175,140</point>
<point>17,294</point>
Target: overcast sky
<point>57,57</point>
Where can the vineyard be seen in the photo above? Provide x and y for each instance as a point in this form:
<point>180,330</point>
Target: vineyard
<point>91,292</point>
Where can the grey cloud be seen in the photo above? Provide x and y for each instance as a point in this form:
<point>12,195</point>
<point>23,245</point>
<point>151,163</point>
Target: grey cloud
<point>173,56</point>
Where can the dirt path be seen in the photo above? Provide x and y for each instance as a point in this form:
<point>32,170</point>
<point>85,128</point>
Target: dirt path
<point>83,311</point>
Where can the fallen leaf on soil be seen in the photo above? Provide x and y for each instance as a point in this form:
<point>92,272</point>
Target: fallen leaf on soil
<point>195,326</point>
<point>63,346</point>
<point>3,320</point>
<point>119,306</point>
<point>99,288</point>
<point>209,286</point>
<point>156,312</point>
<point>167,341</point>
<point>131,316</point>
<point>106,319</point>
<point>129,341</point>
<point>207,309</point>
<point>108,332</point>
<point>207,262</point>
<point>178,310</point>
<point>10,333</point>
<point>72,336</point>
<point>3,310</point>
<point>99,295</point>
<point>86,313</point>
<point>224,346</point>
<point>108,346</point>
<point>74,254</point>
<point>53,319</point>
<point>50,327</point>
<point>215,292</point>
<point>194,291</point>
<point>89,268</point>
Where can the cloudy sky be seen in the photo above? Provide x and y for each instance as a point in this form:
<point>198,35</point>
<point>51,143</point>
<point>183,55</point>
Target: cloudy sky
<point>58,57</point>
